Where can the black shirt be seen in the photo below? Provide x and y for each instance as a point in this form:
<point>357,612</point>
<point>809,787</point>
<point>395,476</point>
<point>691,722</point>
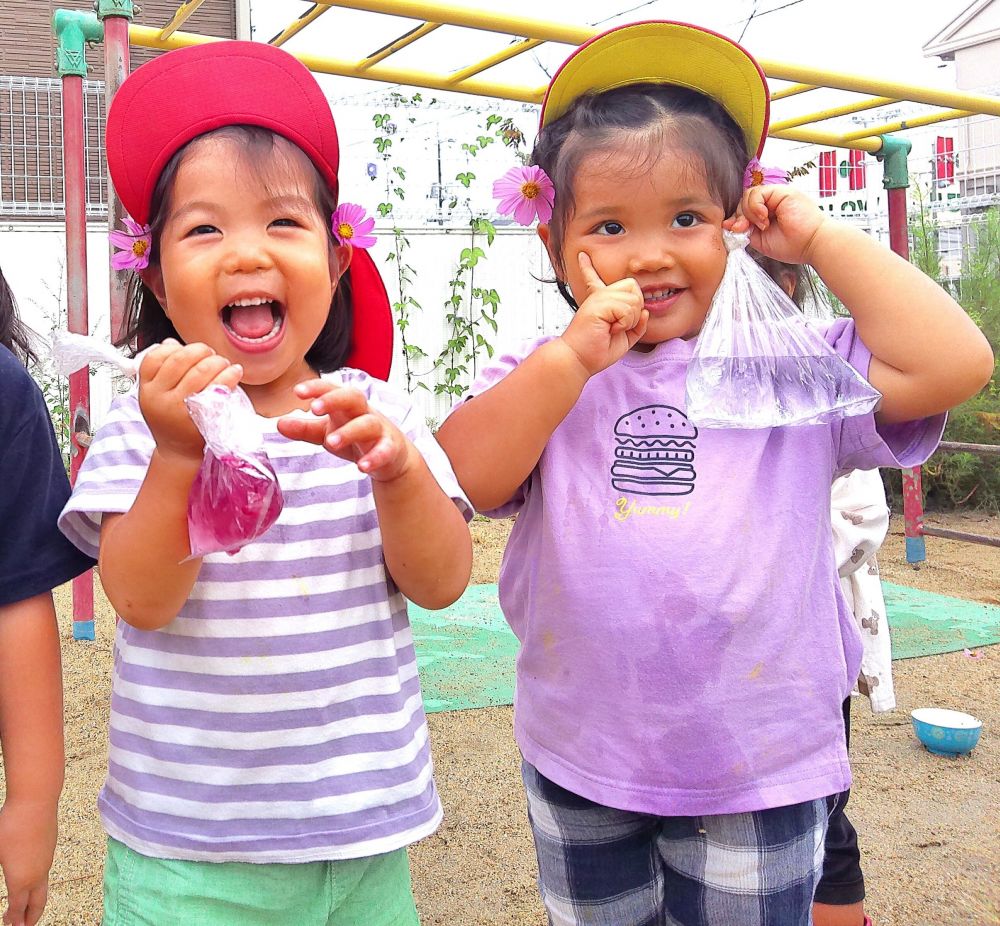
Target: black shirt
<point>34,556</point>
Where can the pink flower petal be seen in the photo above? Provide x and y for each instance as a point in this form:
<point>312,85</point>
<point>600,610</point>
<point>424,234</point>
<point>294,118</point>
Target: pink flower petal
<point>525,212</point>
<point>121,240</point>
<point>134,227</point>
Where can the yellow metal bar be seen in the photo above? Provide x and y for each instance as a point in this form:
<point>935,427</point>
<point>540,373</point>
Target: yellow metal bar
<point>491,21</point>
<point>792,91</point>
<point>575,35</point>
<point>823,115</point>
<point>183,13</point>
<point>150,38</point>
<point>963,102</point>
<point>943,115</point>
<point>829,139</point>
<point>408,39</point>
<point>310,16</point>
<point>835,80</point>
<point>512,51</point>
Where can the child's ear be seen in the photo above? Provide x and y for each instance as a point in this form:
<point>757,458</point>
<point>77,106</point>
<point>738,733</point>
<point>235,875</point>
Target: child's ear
<point>340,260</point>
<point>152,276</point>
<point>545,233</point>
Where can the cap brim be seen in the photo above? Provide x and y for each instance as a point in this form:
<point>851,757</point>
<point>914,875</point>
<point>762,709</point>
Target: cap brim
<point>372,331</point>
<point>672,53</point>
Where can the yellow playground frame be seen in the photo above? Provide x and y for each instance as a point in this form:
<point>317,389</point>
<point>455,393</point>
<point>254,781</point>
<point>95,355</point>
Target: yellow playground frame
<point>868,92</point>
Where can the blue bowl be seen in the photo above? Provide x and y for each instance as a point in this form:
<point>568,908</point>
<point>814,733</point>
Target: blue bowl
<point>944,732</point>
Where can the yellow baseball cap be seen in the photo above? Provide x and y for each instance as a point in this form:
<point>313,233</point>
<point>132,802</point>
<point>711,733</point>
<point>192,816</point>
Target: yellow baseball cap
<point>663,52</point>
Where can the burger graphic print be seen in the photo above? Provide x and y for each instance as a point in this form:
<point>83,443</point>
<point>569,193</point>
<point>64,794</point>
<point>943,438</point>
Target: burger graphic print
<point>654,452</point>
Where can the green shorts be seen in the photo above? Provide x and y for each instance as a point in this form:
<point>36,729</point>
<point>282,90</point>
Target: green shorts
<point>143,891</point>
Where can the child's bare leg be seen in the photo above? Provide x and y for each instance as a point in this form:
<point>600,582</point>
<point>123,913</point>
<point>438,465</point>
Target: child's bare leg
<point>825,914</point>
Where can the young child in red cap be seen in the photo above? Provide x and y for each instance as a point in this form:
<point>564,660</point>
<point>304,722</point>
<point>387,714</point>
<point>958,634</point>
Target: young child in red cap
<point>269,756</point>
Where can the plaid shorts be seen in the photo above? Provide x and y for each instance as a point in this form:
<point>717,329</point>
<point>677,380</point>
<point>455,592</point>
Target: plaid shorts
<point>607,867</point>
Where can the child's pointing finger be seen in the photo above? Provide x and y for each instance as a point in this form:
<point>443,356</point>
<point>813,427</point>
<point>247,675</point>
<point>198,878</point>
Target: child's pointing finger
<point>590,275</point>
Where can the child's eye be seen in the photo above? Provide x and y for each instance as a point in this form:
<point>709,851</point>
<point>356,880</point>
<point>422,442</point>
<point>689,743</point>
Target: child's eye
<point>285,223</point>
<point>203,230</point>
<point>686,220</point>
<point>610,228</point>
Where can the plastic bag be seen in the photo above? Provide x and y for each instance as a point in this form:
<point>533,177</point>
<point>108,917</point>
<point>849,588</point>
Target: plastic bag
<point>235,496</point>
<point>759,364</point>
<point>72,352</point>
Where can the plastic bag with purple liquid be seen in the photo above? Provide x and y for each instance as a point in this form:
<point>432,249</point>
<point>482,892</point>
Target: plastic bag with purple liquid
<point>235,497</point>
<point>759,364</point>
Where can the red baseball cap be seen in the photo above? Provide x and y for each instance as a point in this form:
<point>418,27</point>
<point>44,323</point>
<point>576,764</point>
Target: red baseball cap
<point>190,91</point>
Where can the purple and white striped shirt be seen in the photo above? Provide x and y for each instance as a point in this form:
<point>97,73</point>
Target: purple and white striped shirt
<point>278,717</point>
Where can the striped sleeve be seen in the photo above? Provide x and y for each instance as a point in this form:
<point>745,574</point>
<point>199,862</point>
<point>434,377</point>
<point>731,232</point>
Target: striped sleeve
<point>111,475</point>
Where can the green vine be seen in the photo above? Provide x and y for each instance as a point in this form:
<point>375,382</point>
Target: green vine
<point>470,311</point>
<point>403,307</point>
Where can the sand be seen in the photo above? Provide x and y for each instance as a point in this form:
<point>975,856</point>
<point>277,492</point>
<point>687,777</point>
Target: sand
<point>928,826</point>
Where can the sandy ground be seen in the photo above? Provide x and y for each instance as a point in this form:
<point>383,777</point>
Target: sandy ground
<point>928,826</point>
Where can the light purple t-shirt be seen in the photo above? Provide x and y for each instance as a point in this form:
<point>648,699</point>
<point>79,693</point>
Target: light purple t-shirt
<point>685,647</point>
<point>278,717</point>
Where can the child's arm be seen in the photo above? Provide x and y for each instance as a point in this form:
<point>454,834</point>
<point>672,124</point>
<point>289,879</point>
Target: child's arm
<point>495,440</point>
<point>927,354</point>
<point>141,550</point>
<point>425,541</point>
<point>31,737</point>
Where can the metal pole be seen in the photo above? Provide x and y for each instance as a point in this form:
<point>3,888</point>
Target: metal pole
<point>73,30</point>
<point>116,16</point>
<point>896,180</point>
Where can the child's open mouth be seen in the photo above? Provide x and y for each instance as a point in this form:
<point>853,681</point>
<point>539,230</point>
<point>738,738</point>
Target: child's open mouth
<point>254,323</point>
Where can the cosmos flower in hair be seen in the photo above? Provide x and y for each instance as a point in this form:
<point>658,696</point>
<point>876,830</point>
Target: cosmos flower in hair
<point>526,193</point>
<point>758,175</point>
<point>351,226</point>
<point>133,246</point>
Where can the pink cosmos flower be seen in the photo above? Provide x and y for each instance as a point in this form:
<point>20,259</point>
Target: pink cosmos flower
<point>525,193</point>
<point>758,175</point>
<point>351,226</point>
<point>134,245</point>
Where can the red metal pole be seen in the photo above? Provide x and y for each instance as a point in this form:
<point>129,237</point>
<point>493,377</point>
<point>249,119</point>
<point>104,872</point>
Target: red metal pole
<point>76,302</point>
<point>116,68</point>
<point>913,493</point>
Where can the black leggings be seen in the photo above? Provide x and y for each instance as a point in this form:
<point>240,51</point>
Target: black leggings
<point>842,882</point>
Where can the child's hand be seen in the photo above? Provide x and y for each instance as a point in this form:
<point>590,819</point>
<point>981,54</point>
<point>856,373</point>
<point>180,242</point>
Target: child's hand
<point>347,427</point>
<point>609,322</point>
<point>170,373</point>
<point>784,222</point>
<point>27,844</point>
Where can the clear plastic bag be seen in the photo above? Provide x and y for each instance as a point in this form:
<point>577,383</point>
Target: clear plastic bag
<point>235,497</point>
<point>759,364</point>
<point>71,352</point>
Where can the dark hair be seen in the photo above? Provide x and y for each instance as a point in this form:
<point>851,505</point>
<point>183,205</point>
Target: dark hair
<point>792,278</point>
<point>145,321</point>
<point>13,332</point>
